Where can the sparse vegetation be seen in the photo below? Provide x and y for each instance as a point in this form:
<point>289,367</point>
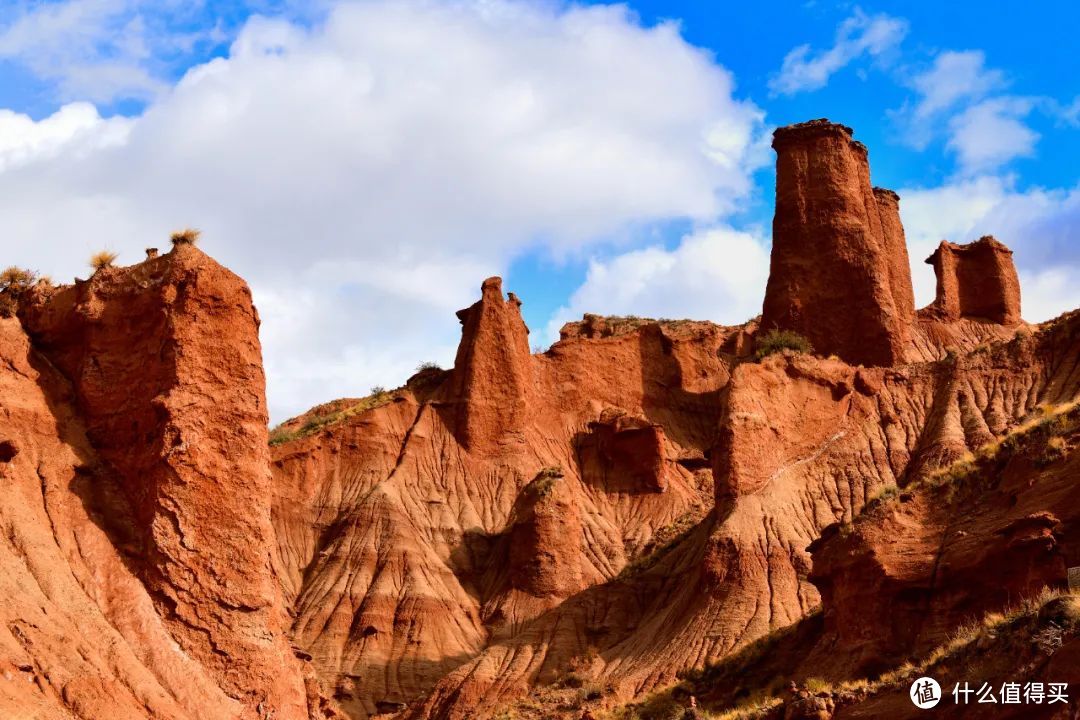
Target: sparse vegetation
<point>1043,622</point>
<point>1042,435</point>
<point>187,236</point>
<point>16,279</point>
<point>427,366</point>
<point>883,495</point>
<point>776,340</point>
<point>663,541</point>
<point>289,431</point>
<point>102,260</point>
<point>545,480</point>
<point>1054,450</point>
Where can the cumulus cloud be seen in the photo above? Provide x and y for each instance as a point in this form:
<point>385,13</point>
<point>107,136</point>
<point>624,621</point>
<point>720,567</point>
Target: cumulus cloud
<point>1039,225</point>
<point>991,133</point>
<point>75,129</point>
<point>714,274</point>
<point>327,163</point>
<point>954,76</point>
<point>858,35</point>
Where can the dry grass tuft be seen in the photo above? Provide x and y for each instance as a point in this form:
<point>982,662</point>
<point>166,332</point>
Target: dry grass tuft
<point>16,279</point>
<point>187,236</point>
<point>102,260</point>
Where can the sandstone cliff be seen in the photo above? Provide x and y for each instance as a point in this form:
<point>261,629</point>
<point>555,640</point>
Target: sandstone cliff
<point>138,510</point>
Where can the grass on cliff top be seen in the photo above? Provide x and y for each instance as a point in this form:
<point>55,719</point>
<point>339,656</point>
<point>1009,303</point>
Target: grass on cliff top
<point>285,432</point>
<point>187,236</point>
<point>14,281</point>
<point>17,279</point>
<point>776,340</point>
<point>103,259</point>
<point>1033,621</point>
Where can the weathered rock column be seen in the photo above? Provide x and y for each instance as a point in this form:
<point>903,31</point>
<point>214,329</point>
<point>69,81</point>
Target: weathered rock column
<point>839,273</point>
<point>896,251</point>
<point>493,369</point>
<point>977,280</point>
<point>166,371</point>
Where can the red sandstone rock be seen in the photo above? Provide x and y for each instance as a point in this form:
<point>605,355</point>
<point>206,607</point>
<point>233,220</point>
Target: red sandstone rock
<point>912,571</point>
<point>977,280</point>
<point>622,453</point>
<point>166,373</point>
<point>839,273</point>
<point>895,250</point>
<point>545,539</point>
<point>493,370</point>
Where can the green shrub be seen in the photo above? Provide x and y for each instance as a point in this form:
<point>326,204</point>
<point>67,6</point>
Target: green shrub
<point>775,341</point>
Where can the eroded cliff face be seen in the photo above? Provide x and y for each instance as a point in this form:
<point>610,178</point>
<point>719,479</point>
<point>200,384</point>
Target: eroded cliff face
<point>141,424</point>
<point>684,482</point>
<point>411,552</point>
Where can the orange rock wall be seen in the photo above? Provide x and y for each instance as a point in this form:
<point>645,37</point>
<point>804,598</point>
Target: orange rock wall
<point>977,280</point>
<point>839,274</point>
<point>165,369</point>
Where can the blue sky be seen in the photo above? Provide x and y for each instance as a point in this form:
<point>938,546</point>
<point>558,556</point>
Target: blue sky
<point>365,164</point>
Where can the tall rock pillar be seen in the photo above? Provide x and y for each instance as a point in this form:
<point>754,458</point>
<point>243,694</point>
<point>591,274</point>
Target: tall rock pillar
<point>977,280</point>
<point>166,370</point>
<point>839,273</point>
<point>493,369</point>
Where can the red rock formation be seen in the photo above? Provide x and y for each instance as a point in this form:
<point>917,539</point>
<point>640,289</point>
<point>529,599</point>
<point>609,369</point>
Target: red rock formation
<point>622,453</point>
<point>912,570</point>
<point>545,539</point>
<point>493,371</point>
<point>432,561</point>
<point>977,280</point>
<point>839,273</point>
<point>895,246</point>
<point>165,370</point>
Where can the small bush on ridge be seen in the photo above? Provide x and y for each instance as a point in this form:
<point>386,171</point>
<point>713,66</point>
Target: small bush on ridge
<point>775,341</point>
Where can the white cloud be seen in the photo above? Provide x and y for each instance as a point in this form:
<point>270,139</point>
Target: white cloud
<point>954,76</point>
<point>858,35</point>
<point>325,164</point>
<point>75,129</point>
<point>991,133</point>
<point>1039,225</point>
<point>714,274</point>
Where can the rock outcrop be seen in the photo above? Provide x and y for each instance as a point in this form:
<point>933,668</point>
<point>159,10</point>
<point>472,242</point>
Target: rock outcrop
<point>623,453</point>
<point>493,370</point>
<point>839,273</point>
<point>154,377</point>
<point>977,280</point>
<point>545,539</point>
